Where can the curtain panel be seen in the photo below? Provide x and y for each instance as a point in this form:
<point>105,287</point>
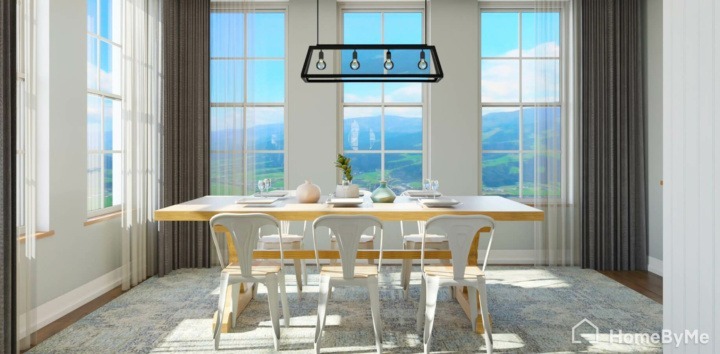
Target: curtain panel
<point>8,111</point>
<point>614,185</point>
<point>141,137</point>
<point>185,129</point>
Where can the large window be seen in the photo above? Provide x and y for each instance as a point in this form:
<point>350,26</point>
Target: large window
<point>104,87</point>
<point>383,125</point>
<point>520,100</point>
<point>247,95</point>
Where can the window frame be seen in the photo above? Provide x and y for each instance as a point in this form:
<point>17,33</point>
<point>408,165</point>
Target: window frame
<point>102,95</point>
<point>22,46</point>
<point>354,7</point>
<point>562,102</point>
<point>244,105</point>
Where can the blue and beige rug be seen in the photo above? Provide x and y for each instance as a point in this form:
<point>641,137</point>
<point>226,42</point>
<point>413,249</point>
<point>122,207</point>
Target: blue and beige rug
<point>534,310</point>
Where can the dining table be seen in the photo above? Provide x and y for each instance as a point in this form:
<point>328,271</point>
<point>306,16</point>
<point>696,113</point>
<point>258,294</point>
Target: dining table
<point>402,209</point>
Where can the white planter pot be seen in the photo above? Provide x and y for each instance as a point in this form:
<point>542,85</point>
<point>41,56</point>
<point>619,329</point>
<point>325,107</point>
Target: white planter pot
<point>347,191</point>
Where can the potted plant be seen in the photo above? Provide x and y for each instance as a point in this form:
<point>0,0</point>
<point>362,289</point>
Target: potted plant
<point>346,189</point>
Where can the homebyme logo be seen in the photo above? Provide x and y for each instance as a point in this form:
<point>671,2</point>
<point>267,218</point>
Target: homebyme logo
<point>588,331</point>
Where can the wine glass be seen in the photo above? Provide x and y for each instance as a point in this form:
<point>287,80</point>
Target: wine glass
<point>261,186</point>
<point>268,183</point>
<point>427,184</point>
<point>435,185</point>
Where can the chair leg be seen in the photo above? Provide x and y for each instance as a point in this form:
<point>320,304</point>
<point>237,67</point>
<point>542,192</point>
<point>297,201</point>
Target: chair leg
<point>485,312</point>
<point>234,295</point>
<point>375,310</point>
<point>420,315</point>
<point>284,299</point>
<point>322,310</point>
<point>304,272</point>
<point>271,281</point>
<point>432,285</point>
<point>472,298</point>
<point>224,279</point>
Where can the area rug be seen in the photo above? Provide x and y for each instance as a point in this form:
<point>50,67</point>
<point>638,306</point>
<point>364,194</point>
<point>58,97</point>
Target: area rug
<point>534,309</point>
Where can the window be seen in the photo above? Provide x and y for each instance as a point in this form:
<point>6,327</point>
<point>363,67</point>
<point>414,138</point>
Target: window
<point>104,100</point>
<point>383,123</point>
<point>247,99</point>
<point>520,100</point>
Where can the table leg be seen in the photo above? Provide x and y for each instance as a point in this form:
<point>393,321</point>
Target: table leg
<point>244,297</point>
<point>461,293</point>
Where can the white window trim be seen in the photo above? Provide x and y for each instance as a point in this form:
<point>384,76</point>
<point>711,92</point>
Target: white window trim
<point>258,7</point>
<point>526,6</point>
<point>384,7</point>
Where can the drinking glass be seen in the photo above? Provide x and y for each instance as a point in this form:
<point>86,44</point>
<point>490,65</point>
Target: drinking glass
<point>435,186</point>
<point>261,186</point>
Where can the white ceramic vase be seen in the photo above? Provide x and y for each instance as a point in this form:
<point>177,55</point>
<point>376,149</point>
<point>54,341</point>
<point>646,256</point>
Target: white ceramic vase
<point>347,191</point>
<point>308,193</point>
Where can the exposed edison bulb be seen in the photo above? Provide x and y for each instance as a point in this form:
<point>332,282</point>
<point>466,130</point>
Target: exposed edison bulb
<point>354,64</point>
<point>388,61</point>
<point>321,65</point>
<point>422,64</point>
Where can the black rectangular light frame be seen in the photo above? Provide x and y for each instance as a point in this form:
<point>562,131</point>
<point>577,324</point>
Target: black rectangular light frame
<point>385,77</point>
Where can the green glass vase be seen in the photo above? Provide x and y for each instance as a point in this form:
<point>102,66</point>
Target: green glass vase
<point>383,194</point>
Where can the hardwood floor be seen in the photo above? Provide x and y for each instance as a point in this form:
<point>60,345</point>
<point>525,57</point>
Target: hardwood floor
<point>74,316</point>
<point>644,282</point>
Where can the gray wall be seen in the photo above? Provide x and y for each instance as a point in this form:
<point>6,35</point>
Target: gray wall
<point>654,79</point>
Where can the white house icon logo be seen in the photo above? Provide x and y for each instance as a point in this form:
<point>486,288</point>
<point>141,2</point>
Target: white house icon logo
<point>585,323</point>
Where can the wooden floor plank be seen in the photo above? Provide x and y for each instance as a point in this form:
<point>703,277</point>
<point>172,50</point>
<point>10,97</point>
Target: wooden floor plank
<point>643,282</point>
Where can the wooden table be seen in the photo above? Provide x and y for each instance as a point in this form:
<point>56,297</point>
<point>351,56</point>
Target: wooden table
<point>500,209</point>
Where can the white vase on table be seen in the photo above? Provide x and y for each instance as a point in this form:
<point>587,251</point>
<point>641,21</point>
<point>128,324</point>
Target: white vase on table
<point>347,190</point>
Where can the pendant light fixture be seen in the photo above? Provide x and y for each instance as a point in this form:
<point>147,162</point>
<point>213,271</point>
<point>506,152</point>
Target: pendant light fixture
<point>349,67</point>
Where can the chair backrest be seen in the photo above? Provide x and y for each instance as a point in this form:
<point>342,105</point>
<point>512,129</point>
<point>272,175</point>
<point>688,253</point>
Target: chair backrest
<point>244,230</point>
<point>460,231</point>
<point>348,229</point>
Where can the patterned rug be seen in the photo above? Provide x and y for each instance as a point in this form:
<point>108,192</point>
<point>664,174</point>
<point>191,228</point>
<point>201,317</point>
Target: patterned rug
<point>534,309</point>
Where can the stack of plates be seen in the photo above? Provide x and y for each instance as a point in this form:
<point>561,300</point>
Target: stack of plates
<point>439,203</point>
<point>272,194</point>
<point>345,201</point>
<point>256,201</point>
<point>422,194</point>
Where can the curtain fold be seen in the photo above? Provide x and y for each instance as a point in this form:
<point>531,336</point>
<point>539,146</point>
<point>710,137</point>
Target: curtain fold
<point>8,111</point>
<point>614,203</point>
<point>185,129</point>
<point>141,120</point>
<point>552,122</point>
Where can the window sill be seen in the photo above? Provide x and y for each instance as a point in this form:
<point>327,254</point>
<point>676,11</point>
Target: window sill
<point>38,235</point>
<point>102,218</point>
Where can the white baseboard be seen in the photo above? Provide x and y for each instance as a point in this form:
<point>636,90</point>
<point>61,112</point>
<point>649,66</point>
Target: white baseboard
<point>64,304</point>
<point>655,266</point>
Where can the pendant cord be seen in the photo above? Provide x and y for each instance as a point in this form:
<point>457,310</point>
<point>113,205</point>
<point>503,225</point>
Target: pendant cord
<point>426,22</point>
<point>317,22</point>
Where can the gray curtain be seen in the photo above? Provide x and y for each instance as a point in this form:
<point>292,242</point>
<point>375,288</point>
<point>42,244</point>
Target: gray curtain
<point>186,129</point>
<point>614,185</point>
<point>8,75</point>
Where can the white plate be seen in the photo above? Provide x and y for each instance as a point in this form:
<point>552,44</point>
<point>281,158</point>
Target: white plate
<point>256,201</point>
<point>345,201</point>
<point>439,203</point>
<point>422,194</point>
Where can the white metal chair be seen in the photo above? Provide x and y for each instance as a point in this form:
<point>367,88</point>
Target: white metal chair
<point>414,241</point>
<point>460,231</point>
<point>289,241</point>
<point>244,230</point>
<point>348,230</point>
